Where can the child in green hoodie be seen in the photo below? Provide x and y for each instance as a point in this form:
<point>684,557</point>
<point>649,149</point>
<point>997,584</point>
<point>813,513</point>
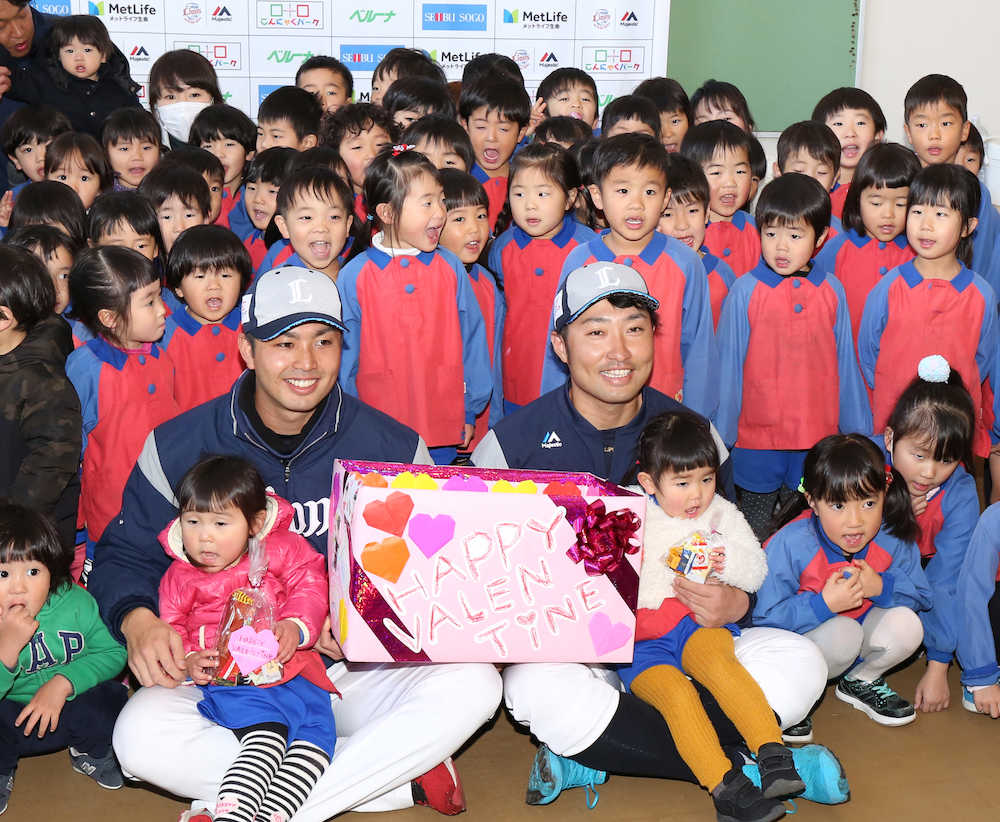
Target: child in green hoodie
<point>57,659</point>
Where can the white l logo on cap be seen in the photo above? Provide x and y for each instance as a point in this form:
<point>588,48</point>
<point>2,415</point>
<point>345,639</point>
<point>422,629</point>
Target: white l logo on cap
<point>298,290</point>
<point>608,276</point>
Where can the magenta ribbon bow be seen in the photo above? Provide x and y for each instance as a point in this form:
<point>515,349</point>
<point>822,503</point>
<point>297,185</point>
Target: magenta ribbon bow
<point>402,147</point>
<point>603,539</point>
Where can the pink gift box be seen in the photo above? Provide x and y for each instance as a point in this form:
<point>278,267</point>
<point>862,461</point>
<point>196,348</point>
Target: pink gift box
<point>459,564</point>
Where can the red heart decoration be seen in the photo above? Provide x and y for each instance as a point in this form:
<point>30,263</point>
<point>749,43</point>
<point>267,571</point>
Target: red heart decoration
<point>562,489</point>
<point>391,515</point>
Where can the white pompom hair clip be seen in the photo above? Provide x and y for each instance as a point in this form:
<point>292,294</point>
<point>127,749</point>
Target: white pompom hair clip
<point>934,368</point>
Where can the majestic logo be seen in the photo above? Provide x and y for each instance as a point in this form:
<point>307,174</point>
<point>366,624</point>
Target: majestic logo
<point>138,52</point>
<point>454,17</point>
<point>629,20</point>
<point>551,440</point>
<point>221,14</point>
<point>602,19</point>
<point>549,58</point>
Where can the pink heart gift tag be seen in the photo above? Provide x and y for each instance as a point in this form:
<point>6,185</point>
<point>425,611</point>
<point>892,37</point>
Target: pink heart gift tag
<point>431,534</point>
<point>607,636</point>
<point>251,649</point>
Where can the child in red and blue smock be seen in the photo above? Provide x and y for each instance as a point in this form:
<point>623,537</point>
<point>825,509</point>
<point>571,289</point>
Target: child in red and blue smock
<point>789,373</point>
<point>933,304</point>
<point>207,272</point>
<point>415,345</point>
<point>124,379</point>
<point>528,259</point>
<point>845,577</point>
<point>929,442</point>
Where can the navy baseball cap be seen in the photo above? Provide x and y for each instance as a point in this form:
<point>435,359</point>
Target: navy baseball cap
<point>285,297</point>
<point>592,283</point>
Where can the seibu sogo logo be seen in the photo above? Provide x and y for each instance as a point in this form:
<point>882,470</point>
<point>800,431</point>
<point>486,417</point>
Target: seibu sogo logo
<point>454,17</point>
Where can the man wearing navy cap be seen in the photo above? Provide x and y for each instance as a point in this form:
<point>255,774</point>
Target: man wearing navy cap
<point>287,415</point>
<point>603,321</point>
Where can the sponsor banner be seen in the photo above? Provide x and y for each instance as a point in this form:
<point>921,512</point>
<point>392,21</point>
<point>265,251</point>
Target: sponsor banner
<point>236,92</point>
<point>615,58</point>
<point>361,55</point>
<point>452,54</point>
<point>200,17</point>
<point>545,21</point>
<point>59,7</point>
<point>143,92</point>
<point>473,19</point>
<point>536,60</point>
<point>228,55</point>
<point>141,50</point>
<point>629,19</point>
<point>280,55</point>
<point>129,15</point>
<point>305,17</point>
<point>372,18</point>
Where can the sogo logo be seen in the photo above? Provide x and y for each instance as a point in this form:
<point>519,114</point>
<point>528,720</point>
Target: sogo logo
<point>364,56</point>
<point>290,15</point>
<point>454,17</point>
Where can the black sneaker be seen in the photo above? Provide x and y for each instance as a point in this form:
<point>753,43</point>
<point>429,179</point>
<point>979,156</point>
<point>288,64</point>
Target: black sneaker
<point>103,770</point>
<point>737,800</point>
<point>6,786</point>
<point>778,777</point>
<point>799,734</point>
<point>876,699</point>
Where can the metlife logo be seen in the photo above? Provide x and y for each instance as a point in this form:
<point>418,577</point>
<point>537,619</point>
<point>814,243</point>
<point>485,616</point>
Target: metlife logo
<point>364,56</point>
<point>451,56</point>
<point>454,17</point>
<point>128,16</point>
<point>292,16</point>
<point>535,21</point>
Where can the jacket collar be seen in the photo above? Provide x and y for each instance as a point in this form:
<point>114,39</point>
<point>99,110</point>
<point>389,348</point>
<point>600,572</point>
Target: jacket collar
<point>767,275</point>
<point>116,357</point>
<point>913,278</point>
<point>563,236</point>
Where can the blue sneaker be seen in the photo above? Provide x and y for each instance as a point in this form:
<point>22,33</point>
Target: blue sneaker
<point>552,774</point>
<point>819,769</point>
<point>969,701</point>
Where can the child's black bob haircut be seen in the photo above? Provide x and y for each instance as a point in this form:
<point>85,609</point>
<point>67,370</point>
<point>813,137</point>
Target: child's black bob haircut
<point>488,66</point>
<point>272,165</point>
<point>297,106</point>
<point>883,165</point>
<point>722,95</point>
<point>640,150</point>
<point>351,120</point>
<point>208,248</point>
<point>758,159</point>
<point>703,141</point>
<point>631,107</point>
<point>178,68</point>
<point>215,483</point>
<point>169,179</point>
<point>44,241</point>
<point>86,28</point>
<point>126,124</point>
<point>816,138</point>
<point>320,157</point>
<point>568,130</point>
<point>845,467</point>
<point>49,202</point>
<point>115,208</point>
<point>552,160</point>
<point>198,159</point>
<point>86,148</point>
<point>951,186</point>
<point>103,278</point>
<point>26,289</point>
<point>443,131</point>
<point>322,183</point>
<point>939,415</point>
<point>974,141</point>
<point>461,189</point>
<point>688,183</point>
<point>31,124</point>
<point>323,61</point>
<point>677,441</point>
<point>406,62</point>
<point>563,79</point>
<point>501,95</point>
<point>846,97</point>
<point>419,94</point>
<point>791,198</point>
<point>28,536</point>
<point>667,95</point>
<point>936,88</point>
<point>389,176</point>
<point>223,122</point>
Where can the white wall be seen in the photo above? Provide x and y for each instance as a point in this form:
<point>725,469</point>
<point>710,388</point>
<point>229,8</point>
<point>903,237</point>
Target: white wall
<point>902,40</point>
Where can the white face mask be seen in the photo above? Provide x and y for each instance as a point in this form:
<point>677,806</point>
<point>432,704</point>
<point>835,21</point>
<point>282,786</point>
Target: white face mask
<point>177,118</point>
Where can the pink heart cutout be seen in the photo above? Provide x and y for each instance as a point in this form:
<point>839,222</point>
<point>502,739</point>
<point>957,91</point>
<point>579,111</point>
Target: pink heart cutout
<point>251,649</point>
<point>606,636</point>
<point>463,483</point>
<point>431,534</point>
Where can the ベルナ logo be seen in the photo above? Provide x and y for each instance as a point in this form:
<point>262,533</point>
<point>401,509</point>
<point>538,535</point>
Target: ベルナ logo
<point>282,56</point>
<point>295,15</point>
<point>454,17</point>
<point>371,16</point>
